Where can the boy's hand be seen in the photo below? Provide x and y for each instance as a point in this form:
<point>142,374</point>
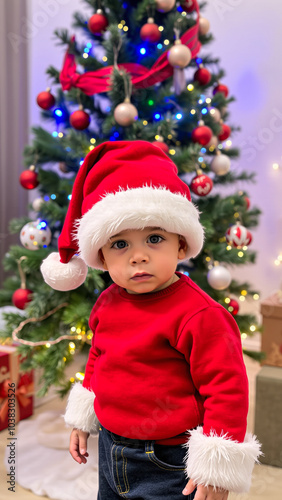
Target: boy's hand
<point>205,492</point>
<point>78,445</point>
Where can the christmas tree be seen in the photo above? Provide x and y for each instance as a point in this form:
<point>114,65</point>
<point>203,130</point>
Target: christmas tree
<point>140,76</point>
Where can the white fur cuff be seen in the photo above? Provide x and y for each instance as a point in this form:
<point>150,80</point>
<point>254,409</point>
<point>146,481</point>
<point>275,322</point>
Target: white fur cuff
<point>220,462</point>
<point>80,410</point>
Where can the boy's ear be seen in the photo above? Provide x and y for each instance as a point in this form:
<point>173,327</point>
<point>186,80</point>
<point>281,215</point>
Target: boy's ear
<point>182,249</point>
<point>102,259</point>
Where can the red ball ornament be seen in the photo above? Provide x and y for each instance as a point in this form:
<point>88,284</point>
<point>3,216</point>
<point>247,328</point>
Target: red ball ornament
<point>233,307</point>
<point>188,5</point>
<point>202,76</point>
<point>80,119</point>
<point>225,132</point>
<point>249,238</point>
<point>45,100</point>
<point>150,32</point>
<point>201,185</point>
<point>221,88</point>
<point>162,145</point>
<point>98,23</point>
<point>21,297</point>
<point>248,203</point>
<point>202,135</point>
<point>28,179</point>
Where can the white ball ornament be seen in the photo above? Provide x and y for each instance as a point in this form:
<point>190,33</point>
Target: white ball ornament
<point>125,114</point>
<point>219,278</point>
<point>179,55</point>
<point>220,165</point>
<point>35,235</point>
<point>36,204</point>
<point>165,5</point>
<point>204,25</point>
<point>63,277</point>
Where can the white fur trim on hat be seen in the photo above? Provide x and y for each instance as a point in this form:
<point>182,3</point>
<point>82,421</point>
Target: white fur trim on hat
<point>61,276</point>
<point>136,209</point>
<point>80,410</point>
<point>221,462</point>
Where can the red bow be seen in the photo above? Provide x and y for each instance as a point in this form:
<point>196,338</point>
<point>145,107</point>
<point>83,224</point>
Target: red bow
<point>95,82</point>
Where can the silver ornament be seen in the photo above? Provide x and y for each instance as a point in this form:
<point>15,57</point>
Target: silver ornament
<point>220,165</point>
<point>125,114</point>
<point>219,278</point>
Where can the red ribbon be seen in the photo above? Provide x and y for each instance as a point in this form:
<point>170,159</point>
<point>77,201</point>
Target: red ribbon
<point>95,82</point>
<point>22,394</point>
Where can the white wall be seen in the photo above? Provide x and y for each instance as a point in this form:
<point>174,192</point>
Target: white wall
<point>44,17</point>
<point>248,42</point>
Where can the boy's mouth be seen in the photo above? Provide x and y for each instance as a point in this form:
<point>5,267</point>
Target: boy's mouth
<point>141,276</point>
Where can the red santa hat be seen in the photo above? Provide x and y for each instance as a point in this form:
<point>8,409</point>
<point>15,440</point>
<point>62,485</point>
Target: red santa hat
<point>121,185</point>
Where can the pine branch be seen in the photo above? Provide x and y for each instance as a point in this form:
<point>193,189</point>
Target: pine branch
<point>63,37</point>
<point>232,177</point>
<point>256,356</point>
<point>53,73</point>
<point>81,21</point>
<point>15,225</point>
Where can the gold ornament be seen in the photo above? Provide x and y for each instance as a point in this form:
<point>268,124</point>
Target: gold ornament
<point>165,5</point>
<point>213,142</point>
<point>204,25</point>
<point>215,113</point>
<point>179,55</point>
<point>63,167</point>
<point>125,113</point>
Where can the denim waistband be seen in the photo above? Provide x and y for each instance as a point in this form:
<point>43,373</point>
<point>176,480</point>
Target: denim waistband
<point>135,443</point>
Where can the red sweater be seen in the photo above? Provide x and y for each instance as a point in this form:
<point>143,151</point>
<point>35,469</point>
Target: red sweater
<point>165,362</point>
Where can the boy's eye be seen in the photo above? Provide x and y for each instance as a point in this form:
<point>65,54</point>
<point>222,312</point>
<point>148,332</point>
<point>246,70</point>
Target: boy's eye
<point>120,244</point>
<point>155,238</point>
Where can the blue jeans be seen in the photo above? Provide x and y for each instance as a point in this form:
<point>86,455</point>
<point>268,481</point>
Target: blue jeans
<point>140,470</point>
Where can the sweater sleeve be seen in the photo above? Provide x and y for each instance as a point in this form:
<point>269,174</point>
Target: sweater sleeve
<point>220,453</point>
<point>80,407</point>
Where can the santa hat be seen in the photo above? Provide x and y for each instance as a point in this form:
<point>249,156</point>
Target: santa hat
<point>121,185</point>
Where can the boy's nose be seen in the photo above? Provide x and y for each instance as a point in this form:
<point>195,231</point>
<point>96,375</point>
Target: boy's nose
<point>138,257</point>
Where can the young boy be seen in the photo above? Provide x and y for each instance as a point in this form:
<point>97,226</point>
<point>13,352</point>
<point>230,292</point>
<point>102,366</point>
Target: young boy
<point>165,373</point>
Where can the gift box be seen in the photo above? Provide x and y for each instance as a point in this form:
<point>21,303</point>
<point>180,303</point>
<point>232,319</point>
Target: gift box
<point>16,388</point>
<point>271,340</point>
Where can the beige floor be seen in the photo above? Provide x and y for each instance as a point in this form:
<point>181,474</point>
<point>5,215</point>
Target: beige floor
<point>267,481</point>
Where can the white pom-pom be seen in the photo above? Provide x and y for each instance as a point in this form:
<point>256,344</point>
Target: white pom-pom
<point>63,277</point>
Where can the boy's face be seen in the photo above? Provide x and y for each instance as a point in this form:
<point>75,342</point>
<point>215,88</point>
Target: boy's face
<point>143,261</point>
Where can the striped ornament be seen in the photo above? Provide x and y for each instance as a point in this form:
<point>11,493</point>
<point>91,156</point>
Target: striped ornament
<point>238,236</point>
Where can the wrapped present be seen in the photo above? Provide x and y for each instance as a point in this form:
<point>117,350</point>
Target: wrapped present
<point>271,340</point>
<point>16,389</point>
